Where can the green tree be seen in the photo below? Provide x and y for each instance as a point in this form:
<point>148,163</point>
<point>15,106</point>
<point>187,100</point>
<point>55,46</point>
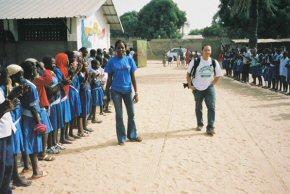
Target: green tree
<point>254,18</point>
<point>196,32</point>
<point>160,19</point>
<point>129,21</point>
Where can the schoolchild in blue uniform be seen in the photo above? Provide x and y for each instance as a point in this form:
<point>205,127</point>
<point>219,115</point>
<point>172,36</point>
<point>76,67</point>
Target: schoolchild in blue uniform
<point>55,109</point>
<point>255,69</point>
<point>30,117</point>
<point>85,89</point>
<point>288,76</point>
<point>276,60</point>
<point>18,145</point>
<point>61,72</point>
<point>36,73</point>
<point>266,68</point>
<point>97,90</point>
<point>239,67</point>
<point>75,100</point>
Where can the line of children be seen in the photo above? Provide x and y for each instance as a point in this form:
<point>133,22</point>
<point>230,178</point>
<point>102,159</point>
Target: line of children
<point>270,67</point>
<point>63,92</point>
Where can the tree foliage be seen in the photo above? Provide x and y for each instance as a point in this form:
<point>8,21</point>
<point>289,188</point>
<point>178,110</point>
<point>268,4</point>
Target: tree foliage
<point>129,21</point>
<point>273,18</point>
<point>160,19</point>
<point>196,32</point>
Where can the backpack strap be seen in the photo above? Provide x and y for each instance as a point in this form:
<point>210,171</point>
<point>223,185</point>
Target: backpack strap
<point>214,65</point>
<point>193,70</point>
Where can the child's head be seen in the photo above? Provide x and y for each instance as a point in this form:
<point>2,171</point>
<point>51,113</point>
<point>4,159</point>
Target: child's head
<point>95,64</point>
<point>105,61</point>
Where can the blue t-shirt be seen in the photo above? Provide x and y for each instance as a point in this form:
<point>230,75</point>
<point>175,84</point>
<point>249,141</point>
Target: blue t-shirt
<point>121,69</point>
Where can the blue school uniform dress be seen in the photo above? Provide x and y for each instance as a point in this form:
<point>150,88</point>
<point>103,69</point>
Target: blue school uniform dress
<point>45,119</point>
<point>32,141</point>
<point>255,67</point>
<point>55,109</point>
<point>85,95</point>
<point>74,98</point>
<point>17,137</point>
<point>97,94</point>
<point>65,104</point>
<point>288,71</point>
<point>89,99</point>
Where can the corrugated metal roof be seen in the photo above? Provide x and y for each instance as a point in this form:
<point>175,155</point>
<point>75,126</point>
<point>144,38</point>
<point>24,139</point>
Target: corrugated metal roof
<point>112,16</point>
<point>269,40</point>
<point>33,9</point>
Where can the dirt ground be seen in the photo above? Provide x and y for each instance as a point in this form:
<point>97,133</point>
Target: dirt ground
<point>250,152</point>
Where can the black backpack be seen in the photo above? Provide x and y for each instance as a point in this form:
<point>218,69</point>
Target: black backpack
<point>196,64</point>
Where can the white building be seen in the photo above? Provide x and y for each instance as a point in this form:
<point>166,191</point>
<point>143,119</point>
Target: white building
<point>37,28</point>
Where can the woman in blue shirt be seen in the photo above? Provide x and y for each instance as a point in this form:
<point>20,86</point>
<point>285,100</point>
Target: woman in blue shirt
<point>121,76</point>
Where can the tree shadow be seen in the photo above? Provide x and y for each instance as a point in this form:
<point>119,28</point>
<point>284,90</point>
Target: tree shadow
<point>282,117</point>
<point>243,89</point>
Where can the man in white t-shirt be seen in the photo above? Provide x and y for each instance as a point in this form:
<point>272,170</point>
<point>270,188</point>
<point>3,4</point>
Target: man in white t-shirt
<point>206,75</point>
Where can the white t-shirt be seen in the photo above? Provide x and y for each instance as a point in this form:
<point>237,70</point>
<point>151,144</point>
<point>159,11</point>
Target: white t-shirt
<point>204,73</point>
<point>6,123</point>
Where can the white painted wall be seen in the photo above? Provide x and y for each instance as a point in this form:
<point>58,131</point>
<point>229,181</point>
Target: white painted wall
<point>98,31</point>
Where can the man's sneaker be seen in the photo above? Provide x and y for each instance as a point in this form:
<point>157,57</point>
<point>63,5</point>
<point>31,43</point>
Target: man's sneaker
<point>199,128</point>
<point>210,132</point>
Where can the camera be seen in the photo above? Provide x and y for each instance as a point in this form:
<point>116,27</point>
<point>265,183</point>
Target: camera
<point>185,85</point>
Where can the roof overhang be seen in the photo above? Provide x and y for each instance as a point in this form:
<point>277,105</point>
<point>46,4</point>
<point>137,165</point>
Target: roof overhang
<point>261,41</point>
<point>40,9</point>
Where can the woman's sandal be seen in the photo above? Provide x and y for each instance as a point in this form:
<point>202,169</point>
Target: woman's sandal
<point>46,157</point>
<point>82,135</point>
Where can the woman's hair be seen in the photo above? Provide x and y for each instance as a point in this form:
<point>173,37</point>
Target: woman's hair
<point>70,55</point>
<point>28,68</point>
<point>47,62</point>
<point>120,42</point>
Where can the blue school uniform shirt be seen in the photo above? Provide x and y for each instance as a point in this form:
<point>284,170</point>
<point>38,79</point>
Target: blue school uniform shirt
<point>121,69</point>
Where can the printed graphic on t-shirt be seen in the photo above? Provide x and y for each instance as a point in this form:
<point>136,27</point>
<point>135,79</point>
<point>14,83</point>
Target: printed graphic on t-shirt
<point>206,72</point>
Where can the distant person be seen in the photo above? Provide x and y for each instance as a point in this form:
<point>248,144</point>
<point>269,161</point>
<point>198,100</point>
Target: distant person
<point>121,76</point>
<point>202,75</point>
<point>195,56</point>
<point>187,57</point>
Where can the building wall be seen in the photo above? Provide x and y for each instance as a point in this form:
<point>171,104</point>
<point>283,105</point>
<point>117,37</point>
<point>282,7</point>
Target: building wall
<point>156,47</point>
<point>93,31</point>
<point>19,51</point>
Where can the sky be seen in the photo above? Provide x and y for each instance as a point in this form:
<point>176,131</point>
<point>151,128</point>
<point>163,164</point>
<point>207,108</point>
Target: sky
<point>199,13</point>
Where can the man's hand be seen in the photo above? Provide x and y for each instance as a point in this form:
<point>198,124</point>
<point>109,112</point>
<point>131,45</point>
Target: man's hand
<point>191,87</point>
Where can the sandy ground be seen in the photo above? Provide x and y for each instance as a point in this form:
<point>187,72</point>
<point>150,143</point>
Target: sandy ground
<point>250,152</point>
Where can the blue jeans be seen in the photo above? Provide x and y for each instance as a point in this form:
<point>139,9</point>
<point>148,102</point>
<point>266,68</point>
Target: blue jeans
<point>120,127</point>
<point>209,97</point>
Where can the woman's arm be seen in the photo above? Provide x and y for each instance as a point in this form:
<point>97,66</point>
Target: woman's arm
<point>133,78</point>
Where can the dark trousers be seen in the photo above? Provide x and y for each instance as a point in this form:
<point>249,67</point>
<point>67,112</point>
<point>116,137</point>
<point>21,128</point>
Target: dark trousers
<point>6,164</point>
